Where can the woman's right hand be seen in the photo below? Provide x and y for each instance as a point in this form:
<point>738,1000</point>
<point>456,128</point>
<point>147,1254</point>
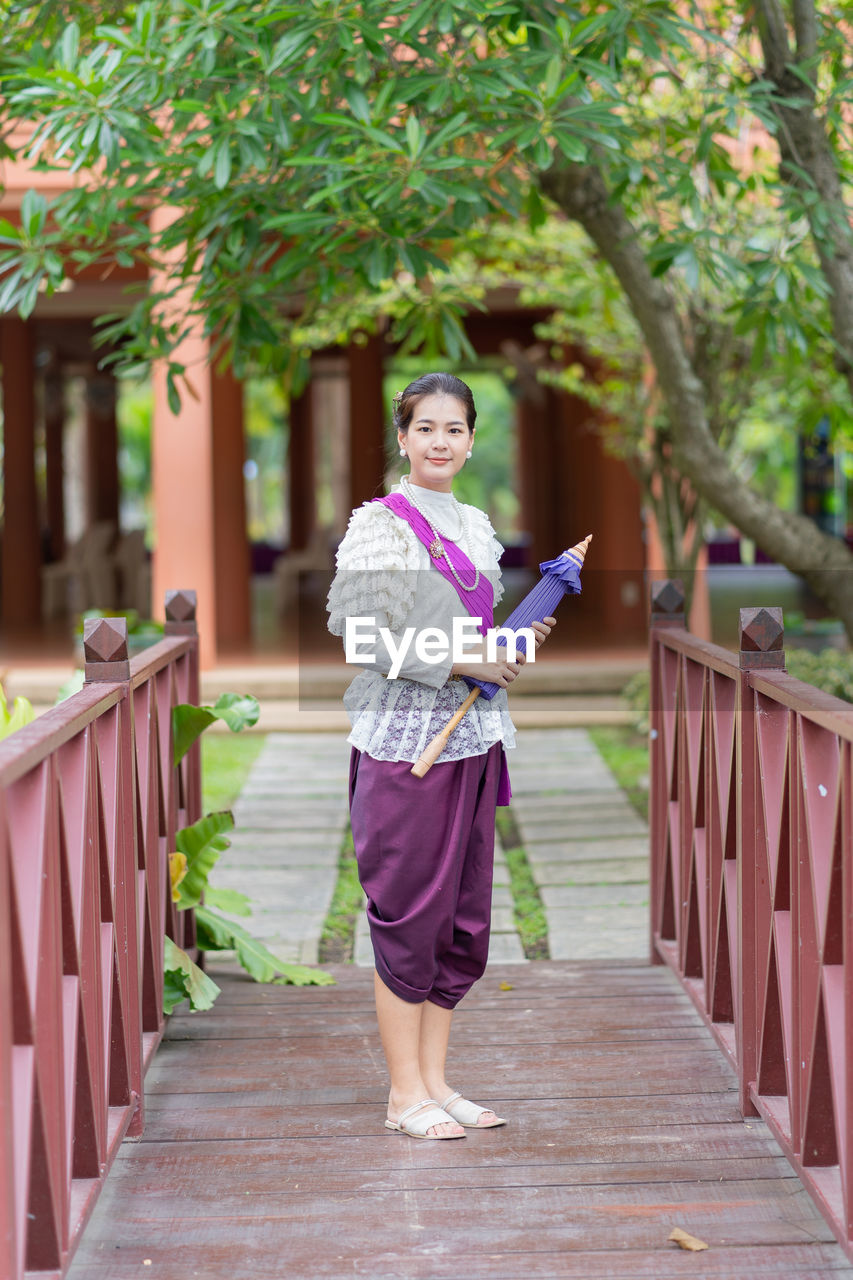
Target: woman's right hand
<point>502,672</point>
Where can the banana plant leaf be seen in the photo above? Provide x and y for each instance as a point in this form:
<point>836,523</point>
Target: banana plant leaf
<point>238,710</point>
<point>182,979</point>
<point>213,933</point>
<point>15,717</point>
<point>201,844</point>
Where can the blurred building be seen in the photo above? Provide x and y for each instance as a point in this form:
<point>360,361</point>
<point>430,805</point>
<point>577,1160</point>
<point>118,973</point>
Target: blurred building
<point>62,546</point>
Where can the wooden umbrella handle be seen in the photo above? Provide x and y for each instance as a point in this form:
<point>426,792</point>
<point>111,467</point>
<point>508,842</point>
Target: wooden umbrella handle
<point>433,749</point>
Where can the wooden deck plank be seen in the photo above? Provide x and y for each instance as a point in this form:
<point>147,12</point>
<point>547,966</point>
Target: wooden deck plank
<point>265,1154</point>
<point>266,1256</point>
<point>171,1118</point>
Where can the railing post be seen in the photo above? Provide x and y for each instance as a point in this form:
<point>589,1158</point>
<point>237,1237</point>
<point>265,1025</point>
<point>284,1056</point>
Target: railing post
<point>11,1246</point>
<point>106,658</point>
<point>761,647</point>
<point>181,621</point>
<point>667,610</point>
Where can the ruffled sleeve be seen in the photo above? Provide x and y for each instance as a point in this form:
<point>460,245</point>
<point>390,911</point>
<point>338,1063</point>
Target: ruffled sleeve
<point>490,549</point>
<point>376,569</point>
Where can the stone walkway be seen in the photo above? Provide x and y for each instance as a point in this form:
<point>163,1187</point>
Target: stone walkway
<point>290,822</point>
<point>586,846</point>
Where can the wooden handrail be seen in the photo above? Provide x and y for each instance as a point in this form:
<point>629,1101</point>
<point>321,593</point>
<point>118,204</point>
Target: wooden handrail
<point>90,802</point>
<point>751,826</point>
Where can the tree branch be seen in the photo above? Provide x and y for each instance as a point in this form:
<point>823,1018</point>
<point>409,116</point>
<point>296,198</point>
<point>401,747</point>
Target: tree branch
<point>792,539</point>
<point>773,31</point>
<point>805,29</point>
<point>805,148</point>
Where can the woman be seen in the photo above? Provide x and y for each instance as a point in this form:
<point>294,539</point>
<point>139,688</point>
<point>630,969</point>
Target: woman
<point>425,846</point>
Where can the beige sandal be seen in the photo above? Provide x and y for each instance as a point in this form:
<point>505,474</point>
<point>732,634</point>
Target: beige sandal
<point>416,1125</point>
<point>466,1113</point>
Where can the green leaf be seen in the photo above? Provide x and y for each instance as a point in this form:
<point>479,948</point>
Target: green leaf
<point>14,718</point>
<point>29,297</point>
<point>69,46</point>
<point>115,35</point>
<point>535,208</point>
<point>413,136</point>
<point>222,167</point>
<point>73,684</point>
<point>230,900</point>
<point>781,286</point>
<point>238,710</point>
<point>300,975</point>
<point>174,399</point>
<point>9,234</point>
<point>288,47</point>
<point>188,723</point>
<point>33,213</point>
<point>183,979</point>
<point>201,844</point>
<point>212,932</point>
<point>358,102</point>
<point>216,934</point>
<point>553,74</point>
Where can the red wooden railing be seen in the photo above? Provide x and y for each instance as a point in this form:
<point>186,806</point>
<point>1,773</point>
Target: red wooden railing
<point>89,806</point>
<point>752,879</point>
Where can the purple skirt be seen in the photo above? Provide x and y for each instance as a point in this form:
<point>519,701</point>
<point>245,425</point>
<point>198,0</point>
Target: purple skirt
<point>425,850</point>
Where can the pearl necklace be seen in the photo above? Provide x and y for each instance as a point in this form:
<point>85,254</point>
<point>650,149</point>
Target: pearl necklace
<point>436,547</point>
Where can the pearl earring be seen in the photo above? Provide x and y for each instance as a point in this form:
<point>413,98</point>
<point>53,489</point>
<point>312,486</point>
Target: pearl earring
<point>469,454</point>
<point>402,453</point>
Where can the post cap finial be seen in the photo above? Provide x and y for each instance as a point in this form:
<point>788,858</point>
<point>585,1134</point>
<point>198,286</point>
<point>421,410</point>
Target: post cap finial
<point>181,613</point>
<point>762,637</point>
<point>667,600</point>
<point>105,649</point>
<point>180,606</point>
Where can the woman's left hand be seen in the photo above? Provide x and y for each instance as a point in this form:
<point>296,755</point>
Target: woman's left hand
<point>542,630</point>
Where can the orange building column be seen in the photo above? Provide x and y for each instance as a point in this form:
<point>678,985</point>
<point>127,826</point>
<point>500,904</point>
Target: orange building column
<point>21,563</point>
<point>182,492</point>
<point>197,482</point>
<point>199,503</point>
<point>367,428</point>
<point>230,541</point>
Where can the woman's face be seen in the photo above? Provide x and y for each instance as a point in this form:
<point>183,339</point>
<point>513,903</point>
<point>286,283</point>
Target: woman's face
<point>437,441</point>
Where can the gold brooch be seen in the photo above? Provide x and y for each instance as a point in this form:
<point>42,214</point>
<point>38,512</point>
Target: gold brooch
<point>436,550</point>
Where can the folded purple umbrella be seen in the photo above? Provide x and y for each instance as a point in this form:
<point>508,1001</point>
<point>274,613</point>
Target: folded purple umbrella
<point>560,577</point>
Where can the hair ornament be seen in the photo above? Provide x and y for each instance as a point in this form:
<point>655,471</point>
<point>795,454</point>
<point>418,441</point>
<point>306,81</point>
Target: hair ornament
<point>397,397</point>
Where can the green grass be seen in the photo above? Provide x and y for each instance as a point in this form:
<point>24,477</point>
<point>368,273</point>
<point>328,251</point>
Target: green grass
<point>226,759</point>
<point>626,753</point>
<point>528,907</point>
<point>337,941</point>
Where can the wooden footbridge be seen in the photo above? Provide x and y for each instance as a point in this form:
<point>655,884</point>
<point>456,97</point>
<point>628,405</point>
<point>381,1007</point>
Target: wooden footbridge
<point>709,1093</point>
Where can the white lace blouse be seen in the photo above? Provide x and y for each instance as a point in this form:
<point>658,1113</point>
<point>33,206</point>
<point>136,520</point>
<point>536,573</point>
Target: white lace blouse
<point>383,572</point>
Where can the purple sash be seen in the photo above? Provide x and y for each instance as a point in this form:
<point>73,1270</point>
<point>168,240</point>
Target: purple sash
<point>480,601</point>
